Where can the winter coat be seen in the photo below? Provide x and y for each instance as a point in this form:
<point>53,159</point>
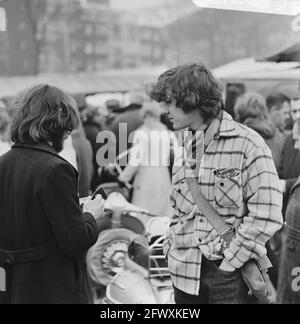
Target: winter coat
<point>152,183</point>
<point>41,218</point>
<point>288,285</point>
<point>84,155</point>
<point>92,130</point>
<point>133,120</point>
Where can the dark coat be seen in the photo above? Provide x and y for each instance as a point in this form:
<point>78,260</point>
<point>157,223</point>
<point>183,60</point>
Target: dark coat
<point>290,163</point>
<point>39,204</point>
<point>289,169</point>
<point>92,130</point>
<point>132,118</point>
<point>84,155</point>
<point>290,254</point>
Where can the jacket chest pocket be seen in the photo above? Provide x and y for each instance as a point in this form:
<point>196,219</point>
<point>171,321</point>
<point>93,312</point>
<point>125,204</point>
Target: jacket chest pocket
<point>228,190</point>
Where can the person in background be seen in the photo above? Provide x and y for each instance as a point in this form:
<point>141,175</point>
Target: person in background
<point>279,106</point>
<point>104,115</point>
<point>149,162</point>
<point>92,121</point>
<point>289,169</point>
<point>289,270</point>
<point>234,91</point>
<point>4,126</point>
<point>84,157</point>
<point>131,117</point>
<point>289,173</point>
<point>44,234</point>
<point>80,100</point>
<point>78,151</point>
<point>113,107</point>
<point>295,106</point>
<point>251,110</point>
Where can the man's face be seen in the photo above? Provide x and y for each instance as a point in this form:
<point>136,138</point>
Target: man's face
<point>181,120</point>
<point>295,109</point>
<point>296,135</point>
<point>281,116</point>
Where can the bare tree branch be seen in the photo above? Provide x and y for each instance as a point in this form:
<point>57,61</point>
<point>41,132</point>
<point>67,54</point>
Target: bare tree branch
<point>41,14</point>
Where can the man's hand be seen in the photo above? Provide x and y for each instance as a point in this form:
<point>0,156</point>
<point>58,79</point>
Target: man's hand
<point>94,207</point>
<point>226,266</point>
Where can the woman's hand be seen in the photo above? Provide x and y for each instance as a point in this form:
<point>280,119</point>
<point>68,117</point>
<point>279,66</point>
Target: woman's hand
<point>94,207</point>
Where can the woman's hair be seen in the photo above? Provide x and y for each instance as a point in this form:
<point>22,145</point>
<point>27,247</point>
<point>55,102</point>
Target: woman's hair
<point>151,109</point>
<point>43,114</point>
<point>190,87</point>
<point>250,105</point>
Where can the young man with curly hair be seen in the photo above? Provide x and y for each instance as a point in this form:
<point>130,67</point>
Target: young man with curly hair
<point>235,172</point>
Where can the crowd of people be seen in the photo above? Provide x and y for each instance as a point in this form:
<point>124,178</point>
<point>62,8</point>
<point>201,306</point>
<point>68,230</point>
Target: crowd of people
<point>264,158</point>
<point>276,119</point>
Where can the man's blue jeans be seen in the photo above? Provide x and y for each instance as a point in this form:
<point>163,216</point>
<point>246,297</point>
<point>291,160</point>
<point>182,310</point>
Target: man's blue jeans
<point>217,287</point>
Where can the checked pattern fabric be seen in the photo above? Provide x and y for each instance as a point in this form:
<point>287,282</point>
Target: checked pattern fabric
<point>237,175</point>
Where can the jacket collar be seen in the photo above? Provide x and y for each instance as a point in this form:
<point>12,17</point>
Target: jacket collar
<point>42,147</point>
<point>227,127</point>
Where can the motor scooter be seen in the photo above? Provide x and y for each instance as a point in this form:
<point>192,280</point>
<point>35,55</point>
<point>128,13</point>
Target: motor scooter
<point>127,264</point>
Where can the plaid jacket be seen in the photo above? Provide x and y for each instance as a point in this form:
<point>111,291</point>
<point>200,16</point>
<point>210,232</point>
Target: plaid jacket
<point>252,196</point>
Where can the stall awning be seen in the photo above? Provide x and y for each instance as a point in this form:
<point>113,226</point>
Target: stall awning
<point>252,69</point>
<point>291,54</point>
<point>85,83</point>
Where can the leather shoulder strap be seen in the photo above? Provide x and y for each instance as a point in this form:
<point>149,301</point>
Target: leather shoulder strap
<point>226,231</point>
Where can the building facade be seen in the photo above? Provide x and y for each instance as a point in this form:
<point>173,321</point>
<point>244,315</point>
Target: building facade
<point>135,43</point>
<point>77,38</point>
